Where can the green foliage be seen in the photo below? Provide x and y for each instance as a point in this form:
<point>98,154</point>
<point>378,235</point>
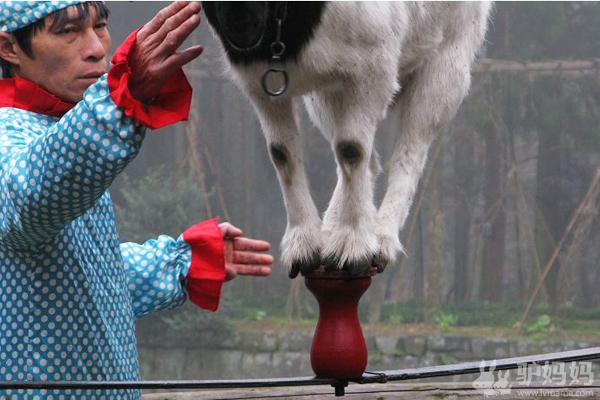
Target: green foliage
<point>445,321</point>
<point>158,203</point>
<point>396,319</point>
<point>409,312</point>
<point>485,313</point>
<point>569,311</point>
<point>538,329</point>
<point>446,358</point>
<point>260,307</point>
<point>502,315</point>
<point>252,314</point>
<point>468,313</point>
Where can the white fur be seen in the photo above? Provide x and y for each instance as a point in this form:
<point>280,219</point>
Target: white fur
<point>348,75</point>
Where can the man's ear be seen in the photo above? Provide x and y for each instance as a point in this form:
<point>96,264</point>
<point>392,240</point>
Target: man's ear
<point>8,48</point>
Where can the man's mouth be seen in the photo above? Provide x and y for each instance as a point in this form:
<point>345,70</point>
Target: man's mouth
<point>92,76</point>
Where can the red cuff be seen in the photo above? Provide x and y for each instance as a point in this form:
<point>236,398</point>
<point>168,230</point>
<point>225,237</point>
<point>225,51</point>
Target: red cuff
<point>207,270</point>
<point>171,105</point>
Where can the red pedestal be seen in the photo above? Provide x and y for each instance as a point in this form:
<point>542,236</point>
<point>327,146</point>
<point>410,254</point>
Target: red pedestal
<point>339,350</point>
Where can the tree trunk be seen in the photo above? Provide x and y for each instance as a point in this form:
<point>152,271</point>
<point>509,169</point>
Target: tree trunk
<point>419,274</point>
<point>464,173</point>
<point>494,225</point>
<point>549,222</point>
<point>434,278</point>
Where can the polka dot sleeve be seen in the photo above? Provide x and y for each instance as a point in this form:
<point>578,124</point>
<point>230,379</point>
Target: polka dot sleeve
<point>157,269</point>
<point>154,271</point>
<point>54,170</point>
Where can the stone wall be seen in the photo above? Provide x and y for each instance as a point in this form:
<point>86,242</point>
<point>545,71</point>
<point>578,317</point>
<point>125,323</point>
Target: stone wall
<point>282,353</point>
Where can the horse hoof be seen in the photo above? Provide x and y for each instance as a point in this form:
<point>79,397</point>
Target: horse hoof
<point>305,267</point>
<point>379,262</point>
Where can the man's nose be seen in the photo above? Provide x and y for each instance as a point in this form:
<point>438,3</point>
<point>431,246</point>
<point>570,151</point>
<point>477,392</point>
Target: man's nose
<point>94,48</point>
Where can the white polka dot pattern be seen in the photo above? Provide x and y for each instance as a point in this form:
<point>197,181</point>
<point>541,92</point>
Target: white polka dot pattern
<point>70,291</point>
<point>18,14</point>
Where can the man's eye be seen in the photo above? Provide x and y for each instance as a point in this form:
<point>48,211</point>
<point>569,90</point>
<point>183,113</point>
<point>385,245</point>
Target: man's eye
<point>101,25</point>
<point>67,30</point>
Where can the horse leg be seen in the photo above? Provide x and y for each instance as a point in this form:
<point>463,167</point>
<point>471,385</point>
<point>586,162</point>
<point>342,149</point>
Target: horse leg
<point>348,117</point>
<point>301,243</point>
<point>427,103</point>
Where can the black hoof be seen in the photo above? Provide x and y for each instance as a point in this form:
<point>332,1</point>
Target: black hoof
<point>294,271</point>
<point>358,267</point>
<point>305,267</point>
<point>354,268</point>
<point>379,262</point>
<point>330,264</point>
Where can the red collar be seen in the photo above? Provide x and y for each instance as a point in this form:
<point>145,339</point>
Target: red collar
<point>26,95</point>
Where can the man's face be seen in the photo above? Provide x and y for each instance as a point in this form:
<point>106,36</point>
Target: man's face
<point>69,58</point>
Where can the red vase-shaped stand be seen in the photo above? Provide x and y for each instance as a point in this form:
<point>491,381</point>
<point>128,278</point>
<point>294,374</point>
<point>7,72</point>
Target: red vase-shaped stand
<point>339,350</point>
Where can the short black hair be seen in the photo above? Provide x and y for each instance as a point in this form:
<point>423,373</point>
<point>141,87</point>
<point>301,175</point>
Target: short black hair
<point>24,35</point>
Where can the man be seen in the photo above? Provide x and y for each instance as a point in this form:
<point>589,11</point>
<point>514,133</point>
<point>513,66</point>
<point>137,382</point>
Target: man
<point>69,290</point>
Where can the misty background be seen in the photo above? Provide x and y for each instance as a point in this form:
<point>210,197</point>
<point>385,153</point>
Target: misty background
<point>504,227</point>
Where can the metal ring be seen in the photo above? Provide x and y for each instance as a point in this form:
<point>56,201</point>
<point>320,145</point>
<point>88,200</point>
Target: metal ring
<point>274,49</point>
<point>283,87</point>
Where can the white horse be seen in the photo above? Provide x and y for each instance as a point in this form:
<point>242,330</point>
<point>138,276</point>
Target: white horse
<point>350,61</point>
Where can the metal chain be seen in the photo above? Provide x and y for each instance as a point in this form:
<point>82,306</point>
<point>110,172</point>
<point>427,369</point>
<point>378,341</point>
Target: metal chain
<point>277,52</point>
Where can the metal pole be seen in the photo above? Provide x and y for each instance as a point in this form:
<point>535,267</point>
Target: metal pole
<point>339,384</point>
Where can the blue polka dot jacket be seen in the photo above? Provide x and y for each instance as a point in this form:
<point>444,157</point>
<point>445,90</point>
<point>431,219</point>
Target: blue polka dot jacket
<point>69,290</point>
